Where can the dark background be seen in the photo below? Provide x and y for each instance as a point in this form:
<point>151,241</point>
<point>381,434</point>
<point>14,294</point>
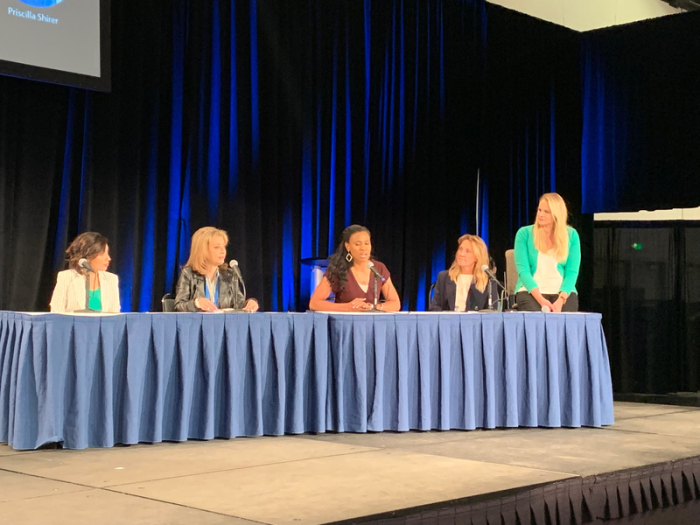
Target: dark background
<point>283,122</point>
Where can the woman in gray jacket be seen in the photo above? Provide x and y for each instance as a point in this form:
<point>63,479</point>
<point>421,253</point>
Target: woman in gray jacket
<point>207,283</point>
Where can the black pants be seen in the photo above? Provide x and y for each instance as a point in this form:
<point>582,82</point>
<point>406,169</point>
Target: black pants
<point>527,303</point>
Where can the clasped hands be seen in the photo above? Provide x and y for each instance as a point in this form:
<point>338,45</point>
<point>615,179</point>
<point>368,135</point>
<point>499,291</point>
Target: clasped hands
<point>362,304</point>
<point>556,306</point>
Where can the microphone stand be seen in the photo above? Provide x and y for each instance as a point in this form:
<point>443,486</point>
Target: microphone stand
<point>87,309</point>
<point>374,292</point>
<point>489,307</point>
<point>238,285</point>
<point>235,292</point>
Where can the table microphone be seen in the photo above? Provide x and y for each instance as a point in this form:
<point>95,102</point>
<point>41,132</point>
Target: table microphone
<point>377,277</point>
<point>374,270</point>
<point>485,268</point>
<point>83,263</point>
<point>233,264</point>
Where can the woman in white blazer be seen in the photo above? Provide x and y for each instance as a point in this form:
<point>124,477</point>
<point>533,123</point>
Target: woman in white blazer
<point>69,293</point>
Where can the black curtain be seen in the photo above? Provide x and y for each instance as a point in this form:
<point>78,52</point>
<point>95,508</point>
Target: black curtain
<point>284,122</point>
<point>641,115</point>
<point>281,122</point>
<point>647,284</point>
<point>641,150</point>
<point>532,125</point>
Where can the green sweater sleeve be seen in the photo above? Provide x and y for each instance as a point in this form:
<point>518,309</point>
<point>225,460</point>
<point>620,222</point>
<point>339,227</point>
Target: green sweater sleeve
<point>522,258</point>
<point>573,263</point>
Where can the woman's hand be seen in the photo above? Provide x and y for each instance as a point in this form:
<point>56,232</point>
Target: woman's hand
<point>251,305</point>
<point>544,303</point>
<point>359,304</point>
<point>204,304</point>
<point>557,305</point>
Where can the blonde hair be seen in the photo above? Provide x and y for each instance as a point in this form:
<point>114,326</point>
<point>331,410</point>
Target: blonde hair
<point>200,247</point>
<point>482,258</point>
<point>560,234</point>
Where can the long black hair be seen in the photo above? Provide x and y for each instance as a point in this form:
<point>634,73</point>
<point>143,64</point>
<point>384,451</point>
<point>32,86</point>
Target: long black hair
<point>338,265</point>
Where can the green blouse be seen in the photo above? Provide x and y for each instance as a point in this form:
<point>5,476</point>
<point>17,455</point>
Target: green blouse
<point>95,300</point>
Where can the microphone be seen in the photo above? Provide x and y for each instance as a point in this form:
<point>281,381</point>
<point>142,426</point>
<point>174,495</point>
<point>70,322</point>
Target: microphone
<point>233,264</point>
<point>83,263</point>
<point>374,270</point>
<point>485,268</point>
<point>492,279</point>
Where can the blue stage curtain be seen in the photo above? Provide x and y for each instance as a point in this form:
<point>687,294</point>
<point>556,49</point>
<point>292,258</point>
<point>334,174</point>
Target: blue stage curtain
<point>641,116</point>
<point>532,124</point>
<point>283,122</point>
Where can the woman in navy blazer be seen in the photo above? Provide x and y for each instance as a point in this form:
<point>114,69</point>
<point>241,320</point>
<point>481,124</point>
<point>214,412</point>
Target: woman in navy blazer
<point>464,286</point>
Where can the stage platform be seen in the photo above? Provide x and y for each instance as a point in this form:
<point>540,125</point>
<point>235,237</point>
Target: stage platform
<point>648,458</point>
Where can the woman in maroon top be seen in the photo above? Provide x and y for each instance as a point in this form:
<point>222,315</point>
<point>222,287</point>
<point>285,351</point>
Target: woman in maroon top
<point>349,277</point>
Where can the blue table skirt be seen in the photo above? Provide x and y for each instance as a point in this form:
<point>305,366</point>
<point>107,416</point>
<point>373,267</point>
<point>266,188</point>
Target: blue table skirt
<point>97,381</point>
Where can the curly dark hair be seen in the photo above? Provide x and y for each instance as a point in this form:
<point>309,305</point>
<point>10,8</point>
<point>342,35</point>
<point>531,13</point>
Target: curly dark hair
<point>85,246</point>
<point>338,265</point>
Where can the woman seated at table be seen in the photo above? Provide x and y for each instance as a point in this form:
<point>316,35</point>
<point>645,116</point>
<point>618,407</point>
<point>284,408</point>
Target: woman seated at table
<point>206,283</point>
<point>465,287</point>
<point>349,277</point>
<point>548,257</point>
<point>103,289</point>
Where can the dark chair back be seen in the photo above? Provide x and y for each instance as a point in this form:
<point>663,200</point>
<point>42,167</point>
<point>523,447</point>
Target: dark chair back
<point>168,303</point>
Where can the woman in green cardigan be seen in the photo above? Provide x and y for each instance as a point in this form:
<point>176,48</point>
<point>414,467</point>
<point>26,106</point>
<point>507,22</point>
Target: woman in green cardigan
<point>548,257</point>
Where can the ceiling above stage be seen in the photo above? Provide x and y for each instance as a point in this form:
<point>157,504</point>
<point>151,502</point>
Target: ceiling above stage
<point>586,15</point>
